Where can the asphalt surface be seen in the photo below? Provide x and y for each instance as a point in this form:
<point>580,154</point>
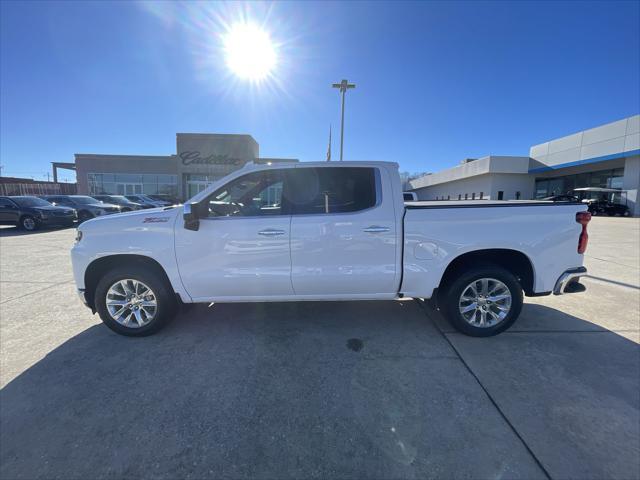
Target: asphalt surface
<point>320,390</point>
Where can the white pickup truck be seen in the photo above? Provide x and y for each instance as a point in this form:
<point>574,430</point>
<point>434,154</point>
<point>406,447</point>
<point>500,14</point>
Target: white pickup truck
<point>328,231</point>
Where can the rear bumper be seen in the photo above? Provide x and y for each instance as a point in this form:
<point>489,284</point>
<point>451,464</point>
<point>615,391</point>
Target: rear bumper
<point>569,282</point>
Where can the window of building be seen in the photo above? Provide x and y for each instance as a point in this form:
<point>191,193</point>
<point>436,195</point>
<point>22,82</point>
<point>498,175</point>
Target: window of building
<point>473,196</point>
<point>500,195</point>
<point>132,184</point>
<point>547,187</point>
<point>459,196</point>
<point>330,189</point>
<point>517,195</point>
<point>466,196</point>
<point>481,195</point>
<point>448,197</point>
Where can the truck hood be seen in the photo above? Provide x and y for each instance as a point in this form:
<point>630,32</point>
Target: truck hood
<point>137,220</point>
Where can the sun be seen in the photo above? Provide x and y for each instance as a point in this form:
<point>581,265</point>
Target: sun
<point>249,52</point>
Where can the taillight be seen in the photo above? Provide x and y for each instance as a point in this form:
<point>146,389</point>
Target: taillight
<point>583,218</point>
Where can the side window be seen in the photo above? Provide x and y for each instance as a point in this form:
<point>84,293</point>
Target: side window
<point>6,203</point>
<point>330,189</point>
<point>254,194</point>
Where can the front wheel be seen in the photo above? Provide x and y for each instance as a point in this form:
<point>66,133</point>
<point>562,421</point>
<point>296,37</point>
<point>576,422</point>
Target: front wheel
<point>28,223</point>
<point>83,216</point>
<point>483,301</point>
<point>134,301</point>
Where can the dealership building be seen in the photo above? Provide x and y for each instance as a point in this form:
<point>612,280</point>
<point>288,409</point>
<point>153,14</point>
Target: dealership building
<point>200,159</point>
<point>607,156</point>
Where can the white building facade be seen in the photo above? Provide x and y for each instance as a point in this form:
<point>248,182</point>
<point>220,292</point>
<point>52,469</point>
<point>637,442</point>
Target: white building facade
<point>606,156</point>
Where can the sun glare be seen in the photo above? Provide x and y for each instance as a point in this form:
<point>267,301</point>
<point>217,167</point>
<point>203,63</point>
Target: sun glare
<point>249,52</point>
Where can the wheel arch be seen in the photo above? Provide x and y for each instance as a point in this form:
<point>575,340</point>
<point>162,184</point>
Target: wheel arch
<point>514,261</point>
<point>100,266</point>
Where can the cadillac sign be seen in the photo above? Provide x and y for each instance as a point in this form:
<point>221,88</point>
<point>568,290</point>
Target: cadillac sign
<point>193,158</point>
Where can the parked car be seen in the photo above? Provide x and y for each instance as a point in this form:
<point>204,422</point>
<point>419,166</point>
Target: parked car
<point>328,231</point>
<point>147,201</point>
<point>31,213</point>
<point>604,201</point>
<point>166,198</point>
<point>123,202</point>
<point>87,207</point>
<point>410,196</point>
<point>562,198</point>
<point>605,207</point>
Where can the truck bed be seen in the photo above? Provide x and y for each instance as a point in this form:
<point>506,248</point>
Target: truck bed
<point>485,203</point>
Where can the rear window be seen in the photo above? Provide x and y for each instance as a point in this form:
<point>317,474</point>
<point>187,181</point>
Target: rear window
<point>330,189</point>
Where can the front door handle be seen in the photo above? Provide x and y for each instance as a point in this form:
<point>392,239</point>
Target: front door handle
<point>271,232</point>
<point>376,229</point>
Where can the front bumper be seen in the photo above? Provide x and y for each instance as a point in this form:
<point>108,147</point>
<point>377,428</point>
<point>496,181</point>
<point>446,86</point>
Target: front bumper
<point>569,282</point>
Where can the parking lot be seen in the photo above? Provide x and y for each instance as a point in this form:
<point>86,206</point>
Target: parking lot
<point>316,390</point>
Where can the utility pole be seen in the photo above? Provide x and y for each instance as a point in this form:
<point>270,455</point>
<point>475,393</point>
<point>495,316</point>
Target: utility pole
<point>344,85</point>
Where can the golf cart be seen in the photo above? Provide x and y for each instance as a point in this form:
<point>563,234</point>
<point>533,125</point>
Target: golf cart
<point>604,201</point>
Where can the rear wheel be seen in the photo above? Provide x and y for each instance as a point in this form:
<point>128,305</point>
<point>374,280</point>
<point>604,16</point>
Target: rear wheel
<point>134,301</point>
<point>28,223</point>
<point>483,301</point>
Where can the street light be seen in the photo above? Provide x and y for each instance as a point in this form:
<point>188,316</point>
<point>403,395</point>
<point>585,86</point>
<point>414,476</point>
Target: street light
<point>344,85</point>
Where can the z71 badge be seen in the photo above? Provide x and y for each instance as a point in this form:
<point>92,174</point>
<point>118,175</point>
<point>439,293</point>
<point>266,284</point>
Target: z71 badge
<point>155,220</point>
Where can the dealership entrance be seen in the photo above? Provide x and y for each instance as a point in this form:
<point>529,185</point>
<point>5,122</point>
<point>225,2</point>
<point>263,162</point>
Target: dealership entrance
<point>128,188</point>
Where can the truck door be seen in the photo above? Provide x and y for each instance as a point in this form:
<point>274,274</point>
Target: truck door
<point>242,249</point>
<point>343,233</point>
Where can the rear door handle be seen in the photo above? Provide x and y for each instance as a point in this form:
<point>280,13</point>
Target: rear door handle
<point>271,232</point>
<point>376,229</point>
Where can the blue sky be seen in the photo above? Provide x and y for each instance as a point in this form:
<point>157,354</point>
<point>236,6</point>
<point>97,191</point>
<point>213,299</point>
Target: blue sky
<point>436,82</point>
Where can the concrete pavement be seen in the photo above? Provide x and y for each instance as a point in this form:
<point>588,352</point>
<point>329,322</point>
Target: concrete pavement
<point>340,390</point>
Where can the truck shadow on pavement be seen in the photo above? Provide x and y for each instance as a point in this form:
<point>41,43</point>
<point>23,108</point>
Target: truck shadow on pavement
<point>280,391</point>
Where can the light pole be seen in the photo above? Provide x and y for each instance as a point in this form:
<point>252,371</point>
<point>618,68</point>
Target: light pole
<point>344,85</point>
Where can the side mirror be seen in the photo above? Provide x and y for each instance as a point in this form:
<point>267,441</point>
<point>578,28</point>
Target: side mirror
<point>192,212</point>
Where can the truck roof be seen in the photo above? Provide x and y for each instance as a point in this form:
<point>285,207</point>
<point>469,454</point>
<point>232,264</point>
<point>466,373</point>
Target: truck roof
<point>350,163</point>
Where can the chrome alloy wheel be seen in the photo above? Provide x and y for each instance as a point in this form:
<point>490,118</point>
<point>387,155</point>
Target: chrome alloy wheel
<point>131,303</point>
<point>485,302</point>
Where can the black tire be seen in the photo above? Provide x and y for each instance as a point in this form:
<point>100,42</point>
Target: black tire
<point>166,302</point>
<point>28,223</point>
<point>455,289</point>
<point>83,216</point>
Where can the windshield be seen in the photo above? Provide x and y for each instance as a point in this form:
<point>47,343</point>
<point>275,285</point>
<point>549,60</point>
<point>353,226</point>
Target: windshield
<point>31,202</point>
<point>84,200</point>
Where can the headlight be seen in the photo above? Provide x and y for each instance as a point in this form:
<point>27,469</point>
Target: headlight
<point>78,235</point>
